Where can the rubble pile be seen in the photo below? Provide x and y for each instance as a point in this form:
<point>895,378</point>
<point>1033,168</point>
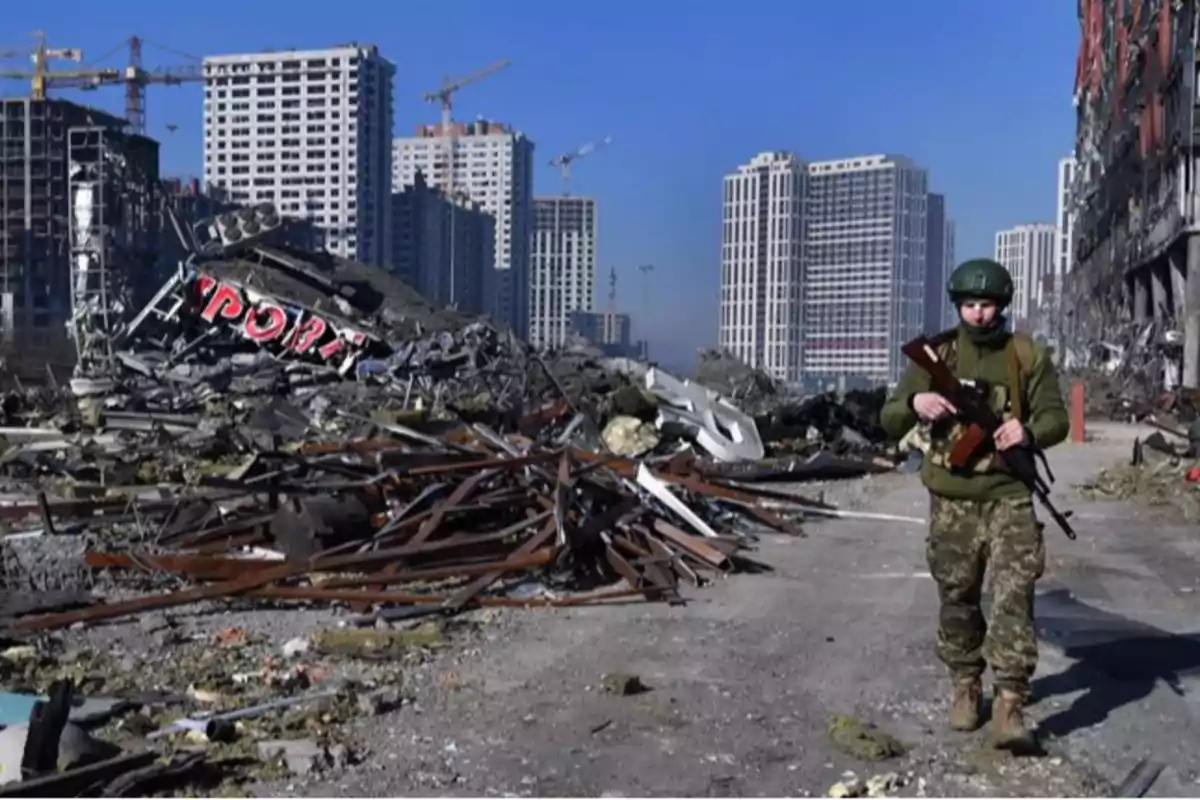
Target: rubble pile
<point>1163,473</point>
<point>1131,371</point>
<point>290,426</point>
<point>283,428</point>
<point>793,423</point>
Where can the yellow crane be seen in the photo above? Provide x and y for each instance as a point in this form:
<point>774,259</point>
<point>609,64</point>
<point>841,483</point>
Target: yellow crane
<point>41,77</point>
<point>134,77</point>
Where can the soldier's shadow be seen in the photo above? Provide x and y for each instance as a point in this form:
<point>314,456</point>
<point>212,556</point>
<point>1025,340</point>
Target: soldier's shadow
<point>1118,661</point>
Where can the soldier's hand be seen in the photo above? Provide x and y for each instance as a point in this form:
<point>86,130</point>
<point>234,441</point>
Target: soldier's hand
<point>1010,434</point>
<point>932,406</point>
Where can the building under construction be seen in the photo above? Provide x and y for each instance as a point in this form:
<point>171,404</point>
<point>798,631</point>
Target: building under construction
<point>1136,191</point>
<point>79,226</point>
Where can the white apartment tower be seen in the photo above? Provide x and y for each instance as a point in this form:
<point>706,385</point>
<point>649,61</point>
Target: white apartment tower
<point>1064,222</point>
<point>562,266</point>
<point>493,167</point>
<point>864,284</point>
<point>309,130</point>
<point>762,263</point>
<point>1028,252</point>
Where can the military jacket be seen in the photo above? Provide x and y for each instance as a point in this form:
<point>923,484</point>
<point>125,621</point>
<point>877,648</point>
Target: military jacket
<point>1018,379</point>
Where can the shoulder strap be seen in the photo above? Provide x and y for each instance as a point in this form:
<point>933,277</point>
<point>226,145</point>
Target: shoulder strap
<point>1023,354</point>
<point>1024,347</point>
<point>1020,351</point>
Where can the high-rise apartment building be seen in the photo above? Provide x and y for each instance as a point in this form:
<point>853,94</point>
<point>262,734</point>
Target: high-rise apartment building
<point>1028,253</point>
<point>308,130</point>
<point>442,248</point>
<point>864,284</point>
<point>949,312</point>
<point>762,263</point>
<point>562,266</point>
<point>939,263</point>
<point>493,166</point>
<point>1064,220</point>
<point>608,331</point>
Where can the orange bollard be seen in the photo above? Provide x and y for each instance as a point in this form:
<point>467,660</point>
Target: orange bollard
<point>1077,425</point>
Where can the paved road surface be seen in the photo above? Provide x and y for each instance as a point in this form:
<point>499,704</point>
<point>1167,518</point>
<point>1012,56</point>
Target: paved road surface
<point>745,677</point>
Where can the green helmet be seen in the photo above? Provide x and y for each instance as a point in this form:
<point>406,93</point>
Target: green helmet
<point>982,278</point>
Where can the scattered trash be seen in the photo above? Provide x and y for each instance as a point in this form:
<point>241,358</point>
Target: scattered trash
<point>862,740</point>
<point>279,427</point>
<point>376,643</point>
<point>1139,780</point>
<point>623,684</point>
<point>1161,474</point>
<point>302,757</point>
<point>875,786</point>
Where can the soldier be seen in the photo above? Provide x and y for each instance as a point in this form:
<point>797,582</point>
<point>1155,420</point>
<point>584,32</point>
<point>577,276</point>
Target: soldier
<point>981,516</point>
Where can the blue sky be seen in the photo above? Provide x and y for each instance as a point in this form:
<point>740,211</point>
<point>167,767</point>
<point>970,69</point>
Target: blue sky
<point>978,92</point>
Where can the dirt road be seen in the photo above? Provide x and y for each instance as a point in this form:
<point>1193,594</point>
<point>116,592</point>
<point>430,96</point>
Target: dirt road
<point>745,677</point>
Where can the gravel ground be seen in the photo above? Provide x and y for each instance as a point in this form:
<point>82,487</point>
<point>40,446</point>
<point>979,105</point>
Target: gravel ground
<point>742,681</point>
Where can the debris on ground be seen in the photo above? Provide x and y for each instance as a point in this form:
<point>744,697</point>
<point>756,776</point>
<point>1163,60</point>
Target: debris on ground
<point>279,428</point>
<point>863,740</point>
<point>795,423</point>
<point>1132,371</point>
<point>292,427</point>
<point>623,684</point>
<point>1163,472</point>
<point>874,786</point>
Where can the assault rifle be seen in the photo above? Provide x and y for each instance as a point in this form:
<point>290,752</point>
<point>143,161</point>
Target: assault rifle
<point>981,424</point>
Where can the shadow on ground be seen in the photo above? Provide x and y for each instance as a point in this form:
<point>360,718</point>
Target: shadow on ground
<point>1118,660</point>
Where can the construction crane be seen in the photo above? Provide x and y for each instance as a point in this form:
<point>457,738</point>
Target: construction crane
<point>135,77</point>
<point>564,161</point>
<point>612,291</point>
<point>41,77</point>
<point>445,96</point>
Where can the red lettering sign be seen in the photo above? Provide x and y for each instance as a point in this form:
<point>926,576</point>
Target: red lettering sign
<point>331,348</point>
<point>269,330</point>
<point>226,302</point>
<point>267,321</point>
<point>308,334</point>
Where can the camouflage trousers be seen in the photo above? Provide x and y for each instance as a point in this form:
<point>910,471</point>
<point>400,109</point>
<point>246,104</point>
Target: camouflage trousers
<point>1001,539</point>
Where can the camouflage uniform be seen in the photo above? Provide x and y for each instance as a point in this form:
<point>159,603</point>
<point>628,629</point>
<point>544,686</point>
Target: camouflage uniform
<point>966,537</point>
<point>982,520</point>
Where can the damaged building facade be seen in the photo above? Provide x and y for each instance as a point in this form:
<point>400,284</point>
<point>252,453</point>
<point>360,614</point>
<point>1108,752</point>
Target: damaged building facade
<point>1135,193</point>
<point>79,224</point>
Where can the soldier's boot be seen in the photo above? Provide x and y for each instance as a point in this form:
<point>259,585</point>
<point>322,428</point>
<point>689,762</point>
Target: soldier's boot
<point>966,703</point>
<point>1009,731</point>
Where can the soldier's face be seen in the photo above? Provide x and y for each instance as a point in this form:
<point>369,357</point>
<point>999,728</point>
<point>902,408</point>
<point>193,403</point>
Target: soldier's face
<point>978,313</point>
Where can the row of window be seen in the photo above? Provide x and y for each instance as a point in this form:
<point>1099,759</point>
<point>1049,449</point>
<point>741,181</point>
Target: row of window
<point>269,66</point>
